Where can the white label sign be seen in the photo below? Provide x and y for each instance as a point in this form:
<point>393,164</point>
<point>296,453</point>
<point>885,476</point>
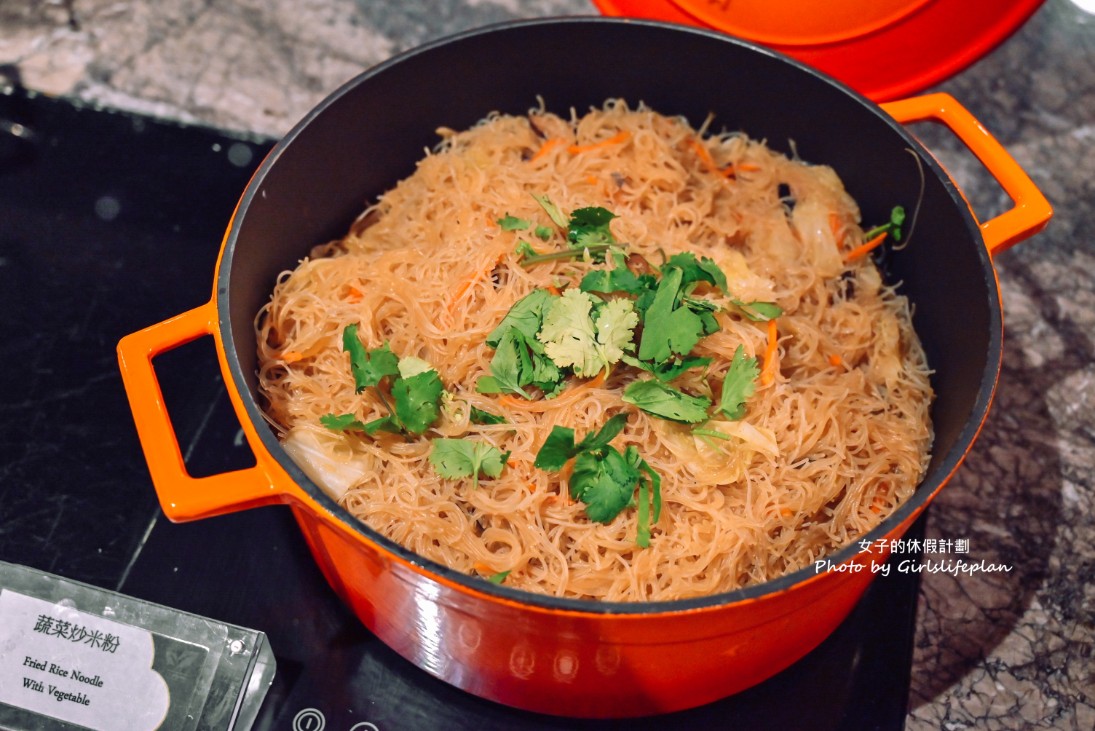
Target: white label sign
<point>77,667</point>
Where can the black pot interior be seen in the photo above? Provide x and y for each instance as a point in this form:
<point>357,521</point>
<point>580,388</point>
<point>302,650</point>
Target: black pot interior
<point>369,134</point>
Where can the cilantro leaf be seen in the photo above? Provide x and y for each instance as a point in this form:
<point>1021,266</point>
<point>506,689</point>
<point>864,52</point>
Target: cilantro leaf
<point>546,375</point>
<point>457,458</point>
<point>524,249</point>
<point>511,365</point>
<point>667,329</point>
<point>520,361</point>
<point>594,252</point>
<point>599,280</point>
<point>479,416</point>
<point>758,311</point>
<point>651,484</point>
<point>417,400</point>
<point>714,274</point>
<point>589,227</point>
<point>738,385</point>
<point>615,323</point>
<point>608,432</point>
<point>655,397</point>
<point>568,333</point>
<point>705,310</point>
<point>586,228</point>
<point>368,366</point>
<point>542,232</point>
<point>342,422</point>
<point>670,369</point>
<point>556,449</point>
<point>604,481</point>
<point>897,220</point>
<point>526,315</point>
<point>512,223</point>
<point>893,226</point>
<point>603,478</point>
<point>586,334</point>
<point>489,385</point>
<point>552,210</point>
<point>499,577</point>
<point>416,388</point>
<point>389,423</point>
<point>617,279</point>
<point>560,447</point>
<point>697,270</point>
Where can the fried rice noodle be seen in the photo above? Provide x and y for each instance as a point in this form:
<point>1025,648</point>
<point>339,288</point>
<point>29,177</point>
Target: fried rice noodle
<point>827,449</point>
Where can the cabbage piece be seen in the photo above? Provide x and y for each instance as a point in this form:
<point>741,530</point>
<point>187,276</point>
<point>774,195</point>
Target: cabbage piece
<point>719,460</point>
<point>743,282</point>
<point>810,219</point>
<point>885,354</point>
<point>326,458</point>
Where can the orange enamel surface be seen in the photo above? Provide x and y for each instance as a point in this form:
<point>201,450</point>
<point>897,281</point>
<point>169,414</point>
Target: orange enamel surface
<point>583,664</point>
<point>181,496</point>
<point>1030,212</point>
<point>800,22</point>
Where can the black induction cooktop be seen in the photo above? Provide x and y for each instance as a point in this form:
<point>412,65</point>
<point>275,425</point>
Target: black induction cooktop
<point>110,222</point>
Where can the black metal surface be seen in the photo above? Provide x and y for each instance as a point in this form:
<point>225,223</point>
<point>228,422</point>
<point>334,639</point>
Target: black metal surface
<point>109,223</point>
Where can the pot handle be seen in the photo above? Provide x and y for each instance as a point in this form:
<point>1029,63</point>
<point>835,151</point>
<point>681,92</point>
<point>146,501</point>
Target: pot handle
<point>182,496</point>
<point>1030,212</point>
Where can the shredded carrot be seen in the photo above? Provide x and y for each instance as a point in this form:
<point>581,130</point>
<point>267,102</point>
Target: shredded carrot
<point>551,288</point>
<point>709,162</point>
<point>354,294</point>
<point>516,403</point>
<point>291,356</point>
<point>570,395</point>
<point>531,487</point>
<point>835,360</point>
<point>704,155</point>
<point>768,371</point>
<point>472,280</point>
<point>545,148</point>
<point>834,226</point>
<point>880,498</point>
<point>597,381</point>
<point>564,484</point>
<point>463,288</point>
<point>786,513</point>
<point>616,139</point>
<point>563,496</point>
<point>747,167</point>
<point>866,248</point>
<point>483,568</point>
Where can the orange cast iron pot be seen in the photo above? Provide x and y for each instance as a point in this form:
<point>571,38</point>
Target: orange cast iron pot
<point>559,656</point>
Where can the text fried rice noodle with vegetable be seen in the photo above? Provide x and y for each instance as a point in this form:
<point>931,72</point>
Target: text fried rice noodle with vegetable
<point>834,436</point>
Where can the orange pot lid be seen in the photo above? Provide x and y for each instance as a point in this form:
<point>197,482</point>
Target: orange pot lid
<point>884,49</point>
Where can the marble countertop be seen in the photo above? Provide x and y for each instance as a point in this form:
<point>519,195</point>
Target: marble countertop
<point>1001,650</point>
